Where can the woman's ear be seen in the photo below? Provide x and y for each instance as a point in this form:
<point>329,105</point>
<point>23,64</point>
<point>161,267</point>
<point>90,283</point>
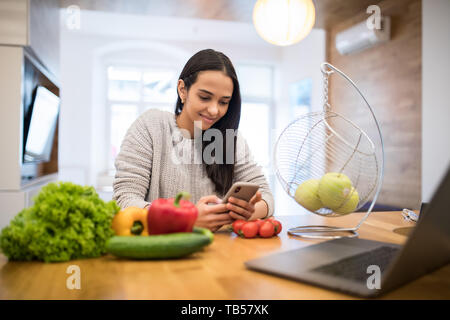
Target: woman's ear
<point>181,90</point>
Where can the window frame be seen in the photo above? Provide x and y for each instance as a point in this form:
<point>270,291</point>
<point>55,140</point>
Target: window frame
<point>141,104</point>
<point>270,101</point>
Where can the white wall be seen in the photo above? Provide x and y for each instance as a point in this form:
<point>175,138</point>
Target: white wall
<point>106,37</point>
<point>298,62</point>
<point>435,99</point>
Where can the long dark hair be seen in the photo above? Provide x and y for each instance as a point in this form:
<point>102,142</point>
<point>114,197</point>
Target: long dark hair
<point>222,173</point>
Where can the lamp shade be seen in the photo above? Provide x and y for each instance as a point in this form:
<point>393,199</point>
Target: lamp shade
<point>283,22</point>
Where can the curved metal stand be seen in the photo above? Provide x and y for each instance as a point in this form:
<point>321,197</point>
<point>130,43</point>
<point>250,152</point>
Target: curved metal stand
<point>328,232</point>
<point>321,232</point>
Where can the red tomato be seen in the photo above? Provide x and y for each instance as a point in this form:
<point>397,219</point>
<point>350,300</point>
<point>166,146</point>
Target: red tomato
<point>249,229</point>
<point>260,222</point>
<point>277,225</point>
<point>237,225</point>
<point>267,229</point>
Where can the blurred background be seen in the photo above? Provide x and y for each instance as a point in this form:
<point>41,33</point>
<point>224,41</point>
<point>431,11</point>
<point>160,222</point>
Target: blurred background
<point>109,60</point>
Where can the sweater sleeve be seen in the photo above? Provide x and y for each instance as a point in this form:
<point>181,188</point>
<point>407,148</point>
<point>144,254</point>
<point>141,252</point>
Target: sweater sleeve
<point>247,170</point>
<point>133,167</point>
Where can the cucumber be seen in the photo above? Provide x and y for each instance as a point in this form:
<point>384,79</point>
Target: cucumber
<point>172,245</point>
<point>205,232</point>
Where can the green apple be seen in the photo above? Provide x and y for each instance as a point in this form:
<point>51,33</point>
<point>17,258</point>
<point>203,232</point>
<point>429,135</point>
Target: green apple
<point>350,203</point>
<point>334,188</point>
<point>306,195</point>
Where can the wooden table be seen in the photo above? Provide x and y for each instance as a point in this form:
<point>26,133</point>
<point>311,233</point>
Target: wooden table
<point>217,272</point>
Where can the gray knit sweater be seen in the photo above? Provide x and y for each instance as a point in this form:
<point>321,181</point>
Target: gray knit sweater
<point>153,163</point>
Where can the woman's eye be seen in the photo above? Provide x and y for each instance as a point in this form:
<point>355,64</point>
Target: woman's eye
<point>224,103</point>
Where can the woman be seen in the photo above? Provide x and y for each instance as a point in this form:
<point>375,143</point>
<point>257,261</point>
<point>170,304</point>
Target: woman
<point>148,165</point>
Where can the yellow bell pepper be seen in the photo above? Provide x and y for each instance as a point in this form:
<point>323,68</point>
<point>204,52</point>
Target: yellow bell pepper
<point>131,221</point>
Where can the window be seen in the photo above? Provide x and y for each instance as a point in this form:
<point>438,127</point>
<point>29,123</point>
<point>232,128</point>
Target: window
<point>300,104</point>
<point>300,97</point>
<point>255,128</point>
<point>256,84</point>
<point>131,91</point>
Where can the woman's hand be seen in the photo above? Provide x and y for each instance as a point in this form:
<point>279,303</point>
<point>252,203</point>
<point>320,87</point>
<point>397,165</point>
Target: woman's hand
<point>212,216</point>
<point>241,209</point>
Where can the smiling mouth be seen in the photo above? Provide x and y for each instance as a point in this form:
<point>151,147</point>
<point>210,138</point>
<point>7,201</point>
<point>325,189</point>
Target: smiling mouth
<point>210,120</point>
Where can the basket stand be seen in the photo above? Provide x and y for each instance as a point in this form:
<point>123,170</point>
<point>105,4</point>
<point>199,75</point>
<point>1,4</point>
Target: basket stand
<point>332,232</point>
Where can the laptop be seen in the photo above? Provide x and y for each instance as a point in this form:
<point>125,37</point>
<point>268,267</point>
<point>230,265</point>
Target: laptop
<point>369,268</point>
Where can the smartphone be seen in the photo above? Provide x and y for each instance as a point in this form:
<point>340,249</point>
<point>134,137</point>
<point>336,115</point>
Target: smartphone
<point>241,190</point>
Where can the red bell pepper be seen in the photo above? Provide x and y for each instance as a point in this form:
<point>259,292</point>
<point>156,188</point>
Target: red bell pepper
<point>172,215</point>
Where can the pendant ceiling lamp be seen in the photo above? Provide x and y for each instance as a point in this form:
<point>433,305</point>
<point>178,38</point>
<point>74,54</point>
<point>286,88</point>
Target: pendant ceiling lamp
<point>283,22</point>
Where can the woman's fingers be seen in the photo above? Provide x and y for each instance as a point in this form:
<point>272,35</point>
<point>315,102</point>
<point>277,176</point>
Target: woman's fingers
<point>257,197</point>
<point>221,217</point>
<point>219,214</point>
<point>239,210</point>
<point>217,208</point>
<point>210,199</point>
<point>238,202</point>
<point>240,214</point>
<point>236,216</point>
<point>241,207</point>
<point>218,220</point>
<point>218,224</point>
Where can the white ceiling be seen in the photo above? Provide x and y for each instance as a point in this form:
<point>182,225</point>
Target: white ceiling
<point>328,12</point>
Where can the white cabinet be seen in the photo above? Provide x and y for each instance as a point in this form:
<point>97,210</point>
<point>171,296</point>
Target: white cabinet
<point>13,22</point>
<point>11,117</point>
<point>29,56</point>
<point>14,201</point>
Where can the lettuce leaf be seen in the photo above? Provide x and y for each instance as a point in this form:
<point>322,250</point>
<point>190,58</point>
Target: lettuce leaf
<point>66,222</point>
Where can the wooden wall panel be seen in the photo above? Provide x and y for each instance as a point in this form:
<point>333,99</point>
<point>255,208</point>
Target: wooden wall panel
<point>389,75</point>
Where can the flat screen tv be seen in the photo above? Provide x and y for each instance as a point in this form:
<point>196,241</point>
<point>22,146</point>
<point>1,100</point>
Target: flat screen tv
<point>41,124</point>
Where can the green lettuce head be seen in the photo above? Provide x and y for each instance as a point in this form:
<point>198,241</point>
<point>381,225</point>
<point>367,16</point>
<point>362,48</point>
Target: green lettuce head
<point>66,222</point>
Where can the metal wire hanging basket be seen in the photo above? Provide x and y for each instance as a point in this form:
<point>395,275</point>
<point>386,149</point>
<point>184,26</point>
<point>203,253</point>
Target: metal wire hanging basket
<point>329,165</point>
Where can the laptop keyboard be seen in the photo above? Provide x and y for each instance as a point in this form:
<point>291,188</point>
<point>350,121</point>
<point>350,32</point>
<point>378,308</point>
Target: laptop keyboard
<point>355,267</point>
